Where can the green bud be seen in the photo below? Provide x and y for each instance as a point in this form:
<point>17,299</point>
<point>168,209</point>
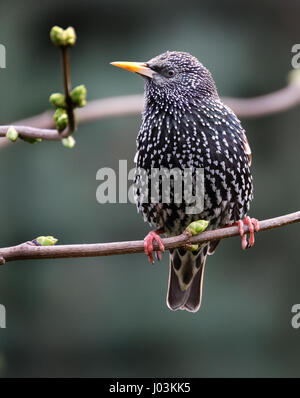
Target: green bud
<point>197,226</point>
<point>59,112</point>
<point>12,134</point>
<point>81,103</point>
<point>57,36</point>
<point>69,142</point>
<point>192,248</point>
<point>294,76</point>
<point>78,95</point>
<point>58,100</point>
<point>46,240</point>
<point>61,119</point>
<point>30,140</point>
<point>70,36</point>
<point>61,37</point>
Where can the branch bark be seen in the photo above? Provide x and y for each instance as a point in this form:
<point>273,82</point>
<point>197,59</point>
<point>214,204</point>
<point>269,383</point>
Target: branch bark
<point>28,251</point>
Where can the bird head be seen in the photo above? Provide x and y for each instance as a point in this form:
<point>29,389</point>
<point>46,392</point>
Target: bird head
<point>173,75</point>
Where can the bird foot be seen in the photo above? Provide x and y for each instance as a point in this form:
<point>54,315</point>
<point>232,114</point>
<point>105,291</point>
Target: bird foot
<point>253,226</point>
<point>148,245</point>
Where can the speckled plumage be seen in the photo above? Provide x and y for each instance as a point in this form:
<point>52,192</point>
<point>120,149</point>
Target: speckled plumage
<point>186,125</point>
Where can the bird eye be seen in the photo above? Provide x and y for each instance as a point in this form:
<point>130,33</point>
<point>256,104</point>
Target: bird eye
<point>170,73</point>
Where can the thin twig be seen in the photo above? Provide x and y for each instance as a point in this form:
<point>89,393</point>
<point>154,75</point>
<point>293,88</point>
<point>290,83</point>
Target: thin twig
<point>33,132</point>
<point>37,126</point>
<point>28,251</point>
<point>67,90</point>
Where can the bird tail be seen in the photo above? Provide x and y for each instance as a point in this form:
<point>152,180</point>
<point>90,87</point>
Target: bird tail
<point>185,279</point>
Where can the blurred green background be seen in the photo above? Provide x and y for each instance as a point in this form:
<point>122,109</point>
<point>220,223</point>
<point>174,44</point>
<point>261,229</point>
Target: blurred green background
<point>107,317</point>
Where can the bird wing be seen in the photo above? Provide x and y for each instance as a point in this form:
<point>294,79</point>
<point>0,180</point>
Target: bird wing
<point>247,148</point>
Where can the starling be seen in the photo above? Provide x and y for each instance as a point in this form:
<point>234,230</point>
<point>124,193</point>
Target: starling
<point>186,126</point>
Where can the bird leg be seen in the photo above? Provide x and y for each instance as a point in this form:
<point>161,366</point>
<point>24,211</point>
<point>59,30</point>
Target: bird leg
<point>253,226</point>
<point>148,244</point>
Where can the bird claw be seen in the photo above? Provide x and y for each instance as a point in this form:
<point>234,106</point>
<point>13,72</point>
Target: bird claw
<point>253,226</point>
<point>148,245</point>
<point>158,255</point>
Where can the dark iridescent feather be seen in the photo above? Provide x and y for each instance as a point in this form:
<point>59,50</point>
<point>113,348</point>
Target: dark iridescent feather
<point>185,125</point>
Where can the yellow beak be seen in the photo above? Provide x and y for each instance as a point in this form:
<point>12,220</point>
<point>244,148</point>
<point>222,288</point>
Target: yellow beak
<point>137,67</point>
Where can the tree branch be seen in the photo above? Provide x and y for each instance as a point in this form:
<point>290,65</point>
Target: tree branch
<point>29,251</point>
<point>67,89</point>
<point>277,101</point>
<point>33,132</point>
